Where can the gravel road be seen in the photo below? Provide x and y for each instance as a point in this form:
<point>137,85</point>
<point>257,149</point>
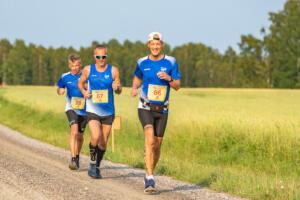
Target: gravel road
<point>30,169</point>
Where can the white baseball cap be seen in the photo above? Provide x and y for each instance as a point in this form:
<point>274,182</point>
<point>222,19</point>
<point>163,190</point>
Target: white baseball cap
<point>154,36</point>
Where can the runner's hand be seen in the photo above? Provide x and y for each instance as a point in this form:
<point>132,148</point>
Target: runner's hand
<point>87,94</point>
<point>115,86</point>
<point>134,92</point>
<point>164,76</point>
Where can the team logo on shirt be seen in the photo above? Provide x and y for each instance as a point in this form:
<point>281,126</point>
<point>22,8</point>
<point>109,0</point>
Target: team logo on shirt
<point>69,82</point>
<point>147,69</point>
<point>94,75</point>
<point>106,76</point>
<point>163,69</point>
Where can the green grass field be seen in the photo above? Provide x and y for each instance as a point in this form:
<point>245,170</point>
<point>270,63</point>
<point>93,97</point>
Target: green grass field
<point>245,142</point>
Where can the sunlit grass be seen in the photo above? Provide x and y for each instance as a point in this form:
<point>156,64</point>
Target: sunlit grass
<point>242,141</point>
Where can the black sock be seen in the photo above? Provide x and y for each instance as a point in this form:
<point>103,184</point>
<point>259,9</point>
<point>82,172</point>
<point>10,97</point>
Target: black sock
<point>100,154</point>
<point>93,153</point>
<point>73,158</point>
<point>77,157</point>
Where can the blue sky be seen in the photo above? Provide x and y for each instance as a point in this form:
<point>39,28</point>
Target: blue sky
<point>216,23</point>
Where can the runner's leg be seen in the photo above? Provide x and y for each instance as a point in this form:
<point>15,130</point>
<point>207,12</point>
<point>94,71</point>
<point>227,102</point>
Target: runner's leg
<point>157,146</point>
<point>103,142</point>
<point>148,151</point>
<point>80,140</point>
<point>160,124</point>
<point>94,126</point>
<point>73,140</point>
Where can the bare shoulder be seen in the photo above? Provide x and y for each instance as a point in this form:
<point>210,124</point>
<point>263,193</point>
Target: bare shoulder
<point>114,70</point>
<point>85,72</point>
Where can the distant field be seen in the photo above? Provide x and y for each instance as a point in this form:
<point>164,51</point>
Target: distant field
<point>241,141</point>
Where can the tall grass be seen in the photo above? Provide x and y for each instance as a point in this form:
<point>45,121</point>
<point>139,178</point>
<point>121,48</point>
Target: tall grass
<point>242,141</point>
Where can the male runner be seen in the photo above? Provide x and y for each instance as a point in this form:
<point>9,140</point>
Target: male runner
<point>75,108</point>
<point>155,74</point>
<point>103,79</point>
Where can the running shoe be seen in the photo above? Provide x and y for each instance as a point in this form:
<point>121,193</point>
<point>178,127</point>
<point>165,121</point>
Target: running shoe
<point>94,171</point>
<point>149,186</point>
<point>77,164</point>
<point>72,164</point>
<point>98,173</point>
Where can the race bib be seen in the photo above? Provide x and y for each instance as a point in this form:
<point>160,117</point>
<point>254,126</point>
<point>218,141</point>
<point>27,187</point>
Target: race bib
<point>78,103</point>
<point>100,96</point>
<point>157,92</point>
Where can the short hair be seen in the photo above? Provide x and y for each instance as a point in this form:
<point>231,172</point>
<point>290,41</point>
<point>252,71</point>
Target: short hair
<point>73,57</point>
<point>99,46</point>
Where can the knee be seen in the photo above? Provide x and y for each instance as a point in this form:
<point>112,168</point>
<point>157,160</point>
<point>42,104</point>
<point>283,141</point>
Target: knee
<point>74,133</point>
<point>148,127</point>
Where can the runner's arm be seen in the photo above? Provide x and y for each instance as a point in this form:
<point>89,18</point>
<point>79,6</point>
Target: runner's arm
<point>175,84</point>
<point>116,85</point>
<point>82,80</point>
<point>61,86</point>
<point>136,83</point>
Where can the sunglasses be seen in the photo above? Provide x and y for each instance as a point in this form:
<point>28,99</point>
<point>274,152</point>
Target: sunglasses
<point>99,57</point>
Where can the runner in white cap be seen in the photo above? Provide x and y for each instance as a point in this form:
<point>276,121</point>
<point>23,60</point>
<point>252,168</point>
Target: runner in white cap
<point>156,74</point>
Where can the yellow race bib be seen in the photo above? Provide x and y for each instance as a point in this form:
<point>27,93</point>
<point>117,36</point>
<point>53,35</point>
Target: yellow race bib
<point>100,96</point>
<point>157,92</point>
<point>78,103</point>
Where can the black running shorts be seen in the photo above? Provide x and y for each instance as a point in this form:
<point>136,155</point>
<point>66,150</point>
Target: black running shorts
<point>103,120</point>
<point>73,118</point>
<point>156,119</point>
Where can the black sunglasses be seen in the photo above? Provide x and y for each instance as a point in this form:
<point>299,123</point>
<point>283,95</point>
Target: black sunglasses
<point>99,57</point>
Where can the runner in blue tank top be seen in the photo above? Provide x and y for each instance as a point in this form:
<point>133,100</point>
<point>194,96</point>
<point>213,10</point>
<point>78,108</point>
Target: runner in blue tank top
<point>155,74</point>
<point>75,108</point>
<point>103,79</point>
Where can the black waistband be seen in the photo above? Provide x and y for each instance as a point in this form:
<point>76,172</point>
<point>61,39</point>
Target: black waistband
<point>149,104</point>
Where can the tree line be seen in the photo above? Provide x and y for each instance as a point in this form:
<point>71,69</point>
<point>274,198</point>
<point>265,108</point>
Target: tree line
<point>270,62</point>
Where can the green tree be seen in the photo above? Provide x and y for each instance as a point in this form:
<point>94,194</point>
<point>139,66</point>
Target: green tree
<point>283,45</point>
<point>252,61</point>
<point>5,47</point>
<point>16,66</point>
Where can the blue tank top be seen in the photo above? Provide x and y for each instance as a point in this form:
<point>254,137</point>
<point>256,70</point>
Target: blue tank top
<point>100,86</point>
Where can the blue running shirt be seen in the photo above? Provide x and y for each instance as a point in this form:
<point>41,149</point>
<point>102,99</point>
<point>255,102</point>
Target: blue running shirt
<point>154,89</point>
<point>75,99</point>
<point>100,86</point>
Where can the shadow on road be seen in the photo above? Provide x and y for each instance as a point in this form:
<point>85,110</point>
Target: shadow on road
<point>179,188</point>
<point>126,175</point>
<point>106,168</point>
<point>184,187</point>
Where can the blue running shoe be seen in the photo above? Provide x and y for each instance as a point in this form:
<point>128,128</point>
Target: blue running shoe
<point>94,171</point>
<point>98,174</point>
<point>149,186</point>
